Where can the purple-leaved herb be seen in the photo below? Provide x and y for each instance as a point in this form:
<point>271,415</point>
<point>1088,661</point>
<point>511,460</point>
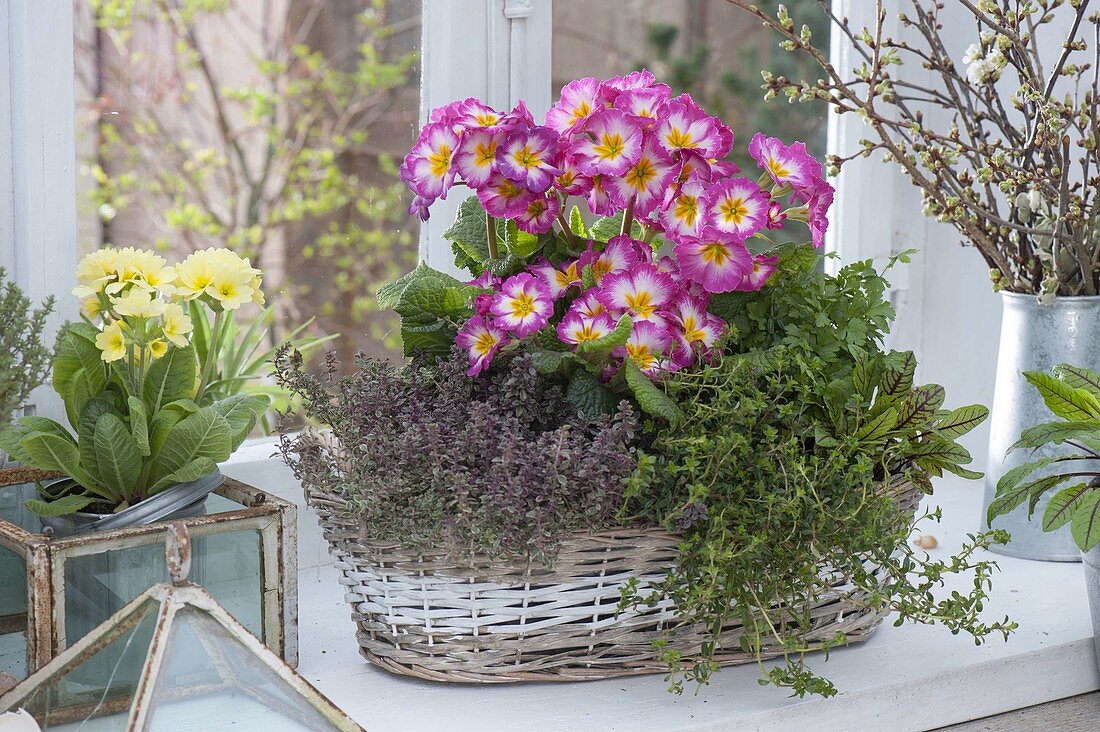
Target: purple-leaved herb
<point>498,465</point>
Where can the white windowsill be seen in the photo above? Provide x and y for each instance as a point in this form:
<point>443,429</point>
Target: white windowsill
<point>907,678</point>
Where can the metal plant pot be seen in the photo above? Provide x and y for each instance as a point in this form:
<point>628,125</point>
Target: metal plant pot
<point>1035,337</point>
<point>1092,585</point>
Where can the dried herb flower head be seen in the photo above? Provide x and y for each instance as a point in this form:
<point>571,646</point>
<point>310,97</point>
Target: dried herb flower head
<point>499,465</point>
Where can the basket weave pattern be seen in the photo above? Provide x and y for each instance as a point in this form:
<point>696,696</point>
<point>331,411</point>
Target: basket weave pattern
<point>484,621</point>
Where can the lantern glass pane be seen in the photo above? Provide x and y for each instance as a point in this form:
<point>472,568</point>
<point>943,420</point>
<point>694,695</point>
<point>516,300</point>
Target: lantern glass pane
<point>226,564</point>
<point>13,613</point>
<point>211,680</point>
<point>94,692</point>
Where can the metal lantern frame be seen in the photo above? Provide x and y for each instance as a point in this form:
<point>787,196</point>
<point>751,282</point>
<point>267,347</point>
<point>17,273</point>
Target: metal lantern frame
<point>45,557</point>
<point>171,600</point>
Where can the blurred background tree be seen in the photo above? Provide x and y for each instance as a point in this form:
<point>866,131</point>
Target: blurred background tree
<point>269,127</point>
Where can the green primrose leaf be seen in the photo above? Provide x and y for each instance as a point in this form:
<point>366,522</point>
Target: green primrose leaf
<point>650,397</point>
<point>59,507</point>
<point>118,458</point>
<point>601,347</point>
<point>139,425</point>
<point>205,433</point>
<point>171,377</point>
<point>576,222</point>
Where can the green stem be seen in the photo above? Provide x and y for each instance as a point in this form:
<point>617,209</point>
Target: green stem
<point>628,217</point>
<point>212,353</point>
<point>491,235</point>
<point>650,232</point>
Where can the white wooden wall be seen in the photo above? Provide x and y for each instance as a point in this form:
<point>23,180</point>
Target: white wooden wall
<point>495,50</point>
<point>38,158</point>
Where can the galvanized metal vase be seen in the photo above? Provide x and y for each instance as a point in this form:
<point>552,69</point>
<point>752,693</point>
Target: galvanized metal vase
<point>1035,337</point>
<point>1092,585</point>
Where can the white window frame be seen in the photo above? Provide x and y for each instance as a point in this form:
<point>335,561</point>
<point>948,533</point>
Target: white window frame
<point>38,240</point>
<point>495,50</point>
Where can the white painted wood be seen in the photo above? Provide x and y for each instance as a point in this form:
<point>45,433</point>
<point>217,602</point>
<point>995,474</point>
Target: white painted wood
<point>907,678</point>
<point>38,158</point>
<point>495,50</point>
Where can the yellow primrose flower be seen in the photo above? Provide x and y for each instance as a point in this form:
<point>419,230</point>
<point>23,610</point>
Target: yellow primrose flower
<point>257,292</point>
<point>94,271</point>
<point>230,288</point>
<point>138,303</point>
<point>134,265</point>
<point>176,325</point>
<point>195,273</point>
<point>111,342</point>
<point>157,348</point>
<point>91,307</point>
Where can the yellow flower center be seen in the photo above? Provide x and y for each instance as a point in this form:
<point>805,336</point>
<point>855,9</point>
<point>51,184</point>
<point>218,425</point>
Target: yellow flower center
<point>715,253</point>
<point>687,209</point>
<point>526,158</point>
<point>640,354</point>
<point>776,168</point>
<point>580,111</point>
<point>640,175</point>
<point>523,305</point>
<point>586,333</point>
<point>679,138</point>
<point>440,161</point>
<point>691,330</point>
<point>641,303</point>
<point>485,154</point>
<point>610,147</point>
<point>486,119</point>
<point>733,210</point>
<point>485,343</point>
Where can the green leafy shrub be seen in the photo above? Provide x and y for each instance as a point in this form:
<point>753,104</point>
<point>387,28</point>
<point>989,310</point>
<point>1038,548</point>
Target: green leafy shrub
<point>24,358</point>
<point>1073,395</point>
<point>782,464</point>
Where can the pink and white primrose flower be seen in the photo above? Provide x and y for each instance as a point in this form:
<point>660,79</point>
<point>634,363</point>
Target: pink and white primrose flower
<point>646,105</point>
<point>523,305</point>
<point>476,159</point>
<point>588,305</point>
<point>599,202</point>
<point>570,180</point>
<point>682,213</point>
<point>634,80</point>
<point>641,291</point>
<point>503,198</point>
<point>429,164</point>
<point>762,268</point>
<point>612,143</point>
<point>713,261</point>
<point>737,207</point>
<point>645,181</point>
<point>579,100</point>
<point>647,346</point>
<point>696,330</point>
<point>482,339</point>
<point>576,328</point>
<point>472,113</point>
<point>538,217</point>
<point>817,209</point>
<point>786,164</point>
<point>618,255</point>
<point>558,279</point>
<point>526,155</point>
<point>683,127</point>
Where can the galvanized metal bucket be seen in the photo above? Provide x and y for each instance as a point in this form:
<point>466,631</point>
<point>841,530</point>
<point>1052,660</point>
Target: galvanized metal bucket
<point>1092,586</point>
<point>1035,337</point>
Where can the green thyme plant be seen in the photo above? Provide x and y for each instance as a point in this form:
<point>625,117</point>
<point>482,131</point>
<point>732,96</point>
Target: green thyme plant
<point>1073,395</point>
<point>24,357</point>
<point>782,465</point>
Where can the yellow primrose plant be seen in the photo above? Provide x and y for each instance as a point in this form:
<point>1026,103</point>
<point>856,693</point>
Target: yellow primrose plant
<point>136,390</point>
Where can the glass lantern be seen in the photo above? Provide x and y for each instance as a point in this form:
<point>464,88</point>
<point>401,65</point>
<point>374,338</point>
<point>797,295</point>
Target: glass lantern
<point>173,660</point>
<point>55,590</point>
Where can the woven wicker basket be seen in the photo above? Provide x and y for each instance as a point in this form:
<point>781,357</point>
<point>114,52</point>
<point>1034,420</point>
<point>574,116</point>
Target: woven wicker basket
<point>482,621</point>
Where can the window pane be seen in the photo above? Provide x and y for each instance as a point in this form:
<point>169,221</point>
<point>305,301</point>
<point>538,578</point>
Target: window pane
<point>274,129</point>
